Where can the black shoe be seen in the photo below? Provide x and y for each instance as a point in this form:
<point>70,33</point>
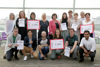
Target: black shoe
<point>75,59</point>
<point>16,58</point>
<point>81,60</point>
<point>92,59</point>
<point>4,57</point>
<point>20,52</point>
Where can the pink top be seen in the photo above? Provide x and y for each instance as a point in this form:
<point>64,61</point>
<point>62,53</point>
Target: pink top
<point>52,26</point>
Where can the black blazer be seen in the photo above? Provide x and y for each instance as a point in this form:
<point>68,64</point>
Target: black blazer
<point>26,42</point>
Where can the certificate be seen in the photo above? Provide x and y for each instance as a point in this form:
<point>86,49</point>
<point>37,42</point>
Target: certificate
<point>88,27</point>
<point>33,24</point>
<point>20,44</point>
<point>9,26</point>
<point>56,44</point>
<point>67,52</point>
<point>74,26</point>
<point>21,22</point>
<point>63,26</point>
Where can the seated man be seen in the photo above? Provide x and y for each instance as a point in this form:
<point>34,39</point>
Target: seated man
<point>87,46</point>
<point>11,45</point>
<point>43,46</point>
<point>30,45</point>
<point>71,42</point>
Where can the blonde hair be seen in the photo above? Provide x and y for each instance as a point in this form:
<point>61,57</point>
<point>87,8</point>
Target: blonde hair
<point>43,15</point>
<point>10,16</point>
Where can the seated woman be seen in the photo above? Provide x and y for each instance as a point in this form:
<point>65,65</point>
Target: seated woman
<point>43,45</point>
<point>30,45</point>
<point>57,53</point>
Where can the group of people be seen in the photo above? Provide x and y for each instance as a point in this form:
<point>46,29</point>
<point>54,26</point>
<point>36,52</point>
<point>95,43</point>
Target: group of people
<point>82,44</point>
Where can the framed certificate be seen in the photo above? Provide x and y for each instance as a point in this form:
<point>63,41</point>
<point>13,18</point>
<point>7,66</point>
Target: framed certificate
<point>74,26</point>
<point>63,26</point>
<point>33,24</point>
<point>21,22</point>
<point>88,27</point>
<point>56,44</point>
<point>20,44</point>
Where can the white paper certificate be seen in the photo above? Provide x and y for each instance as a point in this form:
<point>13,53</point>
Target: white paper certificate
<point>33,24</point>
<point>67,52</point>
<point>86,27</point>
<point>56,44</point>
<point>74,26</point>
<point>20,44</point>
<point>21,22</point>
<point>9,26</point>
<point>63,26</point>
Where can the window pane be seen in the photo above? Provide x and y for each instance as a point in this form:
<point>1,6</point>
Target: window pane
<point>87,3</point>
<point>11,3</point>
<point>49,3</point>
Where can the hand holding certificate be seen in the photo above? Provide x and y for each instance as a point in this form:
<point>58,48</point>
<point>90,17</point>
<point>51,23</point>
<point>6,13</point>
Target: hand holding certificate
<point>21,22</point>
<point>33,24</point>
<point>63,26</point>
<point>88,27</point>
<point>74,26</point>
<point>67,52</point>
<point>56,44</point>
<point>20,44</point>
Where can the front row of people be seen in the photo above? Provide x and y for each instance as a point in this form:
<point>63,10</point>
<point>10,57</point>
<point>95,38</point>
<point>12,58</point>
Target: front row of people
<point>86,48</point>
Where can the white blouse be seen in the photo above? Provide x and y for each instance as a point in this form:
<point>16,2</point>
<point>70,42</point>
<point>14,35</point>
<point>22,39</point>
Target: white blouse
<point>84,22</point>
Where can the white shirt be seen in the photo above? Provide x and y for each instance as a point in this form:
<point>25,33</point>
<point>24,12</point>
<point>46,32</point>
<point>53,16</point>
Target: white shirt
<point>89,44</point>
<point>85,23</point>
<point>82,19</point>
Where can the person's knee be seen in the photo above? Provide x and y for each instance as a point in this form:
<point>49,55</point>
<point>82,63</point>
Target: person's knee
<point>35,55</point>
<point>58,52</point>
<point>80,50</point>
<point>92,55</point>
<point>46,48</point>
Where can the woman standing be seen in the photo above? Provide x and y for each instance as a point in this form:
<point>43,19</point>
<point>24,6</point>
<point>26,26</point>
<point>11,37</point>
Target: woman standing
<point>76,22</point>
<point>32,17</point>
<point>22,30</point>
<point>9,30</point>
<point>43,25</point>
<point>88,21</point>
<point>57,53</point>
<point>64,20</point>
<point>53,25</point>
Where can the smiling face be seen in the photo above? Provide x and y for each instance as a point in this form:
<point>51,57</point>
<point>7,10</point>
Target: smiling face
<point>29,33</point>
<point>12,17</point>
<point>22,14</point>
<point>15,31</point>
<point>86,35</point>
<point>87,16</point>
<point>43,34</point>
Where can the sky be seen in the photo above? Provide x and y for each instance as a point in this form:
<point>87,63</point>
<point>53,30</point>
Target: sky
<point>48,4</point>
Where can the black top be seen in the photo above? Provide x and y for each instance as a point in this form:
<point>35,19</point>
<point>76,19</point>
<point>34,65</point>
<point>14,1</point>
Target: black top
<point>71,40</point>
<point>22,30</point>
<point>57,25</point>
<point>43,42</point>
<point>43,27</point>
<point>65,21</point>
<point>26,42</point>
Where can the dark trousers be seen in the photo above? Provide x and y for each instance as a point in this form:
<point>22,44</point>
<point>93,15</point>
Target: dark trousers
<point>81,51</point>
<point>45,51</point>
<point>9,54</point>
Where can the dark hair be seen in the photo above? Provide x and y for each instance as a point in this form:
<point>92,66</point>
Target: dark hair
<point>29,30</point>
<point>87,14</point>
<point>32,14</point>
<point>54,14</point>
<point>55,36</point>
<point>71,29</point>
<point>63,16</point>
<point>86,31</point>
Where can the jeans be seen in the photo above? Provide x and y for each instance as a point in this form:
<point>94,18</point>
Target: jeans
<point>45,51</point>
